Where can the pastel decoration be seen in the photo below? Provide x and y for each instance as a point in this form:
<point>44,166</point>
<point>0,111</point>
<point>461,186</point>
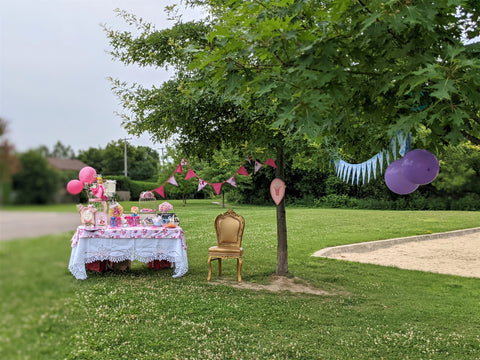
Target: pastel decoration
<point>420,166</point>
<point>201,184</point>
<point>258,165</point>
<point>87,175</point>
<point>75,187</point>
<point>396,181</point>
<point>160,191</point>
<point>190,174</point>
<point>277,190</point>
<point>179,169</point>
<point>217,187</point>
<point>232,182</point>
<point>172,181</point>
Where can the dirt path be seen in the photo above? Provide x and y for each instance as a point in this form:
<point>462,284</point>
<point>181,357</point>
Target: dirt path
<point>454,253</point>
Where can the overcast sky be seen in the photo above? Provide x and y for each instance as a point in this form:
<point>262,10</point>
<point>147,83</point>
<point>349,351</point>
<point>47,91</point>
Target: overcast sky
<point>54,67</point>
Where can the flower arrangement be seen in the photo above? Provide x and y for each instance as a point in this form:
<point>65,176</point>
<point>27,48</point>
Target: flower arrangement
<point>165,207</point>
<point>134,209</point>
<point>115,210</point>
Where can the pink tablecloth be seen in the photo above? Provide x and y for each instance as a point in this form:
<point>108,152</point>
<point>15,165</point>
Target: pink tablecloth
<point>143,243</point>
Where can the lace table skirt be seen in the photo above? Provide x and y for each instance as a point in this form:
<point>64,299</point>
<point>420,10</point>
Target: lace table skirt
<point>89,246</point>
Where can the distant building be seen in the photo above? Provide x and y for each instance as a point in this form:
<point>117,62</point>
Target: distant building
<point>66,164</point>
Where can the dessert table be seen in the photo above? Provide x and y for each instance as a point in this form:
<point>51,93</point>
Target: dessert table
<point>143,243</point>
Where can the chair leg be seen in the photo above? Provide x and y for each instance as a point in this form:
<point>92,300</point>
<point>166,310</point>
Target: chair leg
<point>209,268</point>
<point>239,269</point>
<point>219,266</point>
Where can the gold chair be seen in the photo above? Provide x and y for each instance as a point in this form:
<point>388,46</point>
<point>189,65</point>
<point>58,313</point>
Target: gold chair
<point>229,228</point>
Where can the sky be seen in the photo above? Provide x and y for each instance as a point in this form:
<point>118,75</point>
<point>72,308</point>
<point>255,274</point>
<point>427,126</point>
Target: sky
<point>54,67</point>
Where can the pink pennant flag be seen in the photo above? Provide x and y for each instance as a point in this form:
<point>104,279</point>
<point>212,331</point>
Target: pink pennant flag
<point>179,169</point>
<point>249,158</point>
<point>217,187</point>
<point>271,162</point>
<point>160,191</point>
<point>190,174</point>
<point>172,181</point>
<point>183,162</point>
<point>258,165</point>
<point>232,182</point>
<point>201,184</point>
<point>242,171</point>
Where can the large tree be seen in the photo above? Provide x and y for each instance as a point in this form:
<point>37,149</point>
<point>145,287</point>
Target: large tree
<point>345,73</point>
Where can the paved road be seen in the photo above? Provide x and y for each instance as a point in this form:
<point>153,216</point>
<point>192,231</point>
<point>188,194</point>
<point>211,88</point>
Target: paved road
<point>22,224</point>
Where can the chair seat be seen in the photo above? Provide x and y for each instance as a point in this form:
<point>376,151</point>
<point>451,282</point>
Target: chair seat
<point>225,251</point>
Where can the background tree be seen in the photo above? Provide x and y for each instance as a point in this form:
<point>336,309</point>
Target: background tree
<point>142,161</point>
<point>9,164</point>
<point>37,182</point>
<point>62,151</point>
<point>338,72</point>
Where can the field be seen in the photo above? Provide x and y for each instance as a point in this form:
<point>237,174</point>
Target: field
<point>369,311</point>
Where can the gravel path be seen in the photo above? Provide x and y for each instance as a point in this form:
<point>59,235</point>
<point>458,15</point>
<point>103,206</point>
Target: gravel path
<point>453,253</point>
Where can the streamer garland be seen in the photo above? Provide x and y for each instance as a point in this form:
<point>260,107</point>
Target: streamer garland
<point>365,169</point>
<point>202,183</point>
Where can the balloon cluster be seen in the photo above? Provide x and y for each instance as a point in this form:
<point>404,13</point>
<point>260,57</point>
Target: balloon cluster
<point>86,176</point>
<point>417,167</point>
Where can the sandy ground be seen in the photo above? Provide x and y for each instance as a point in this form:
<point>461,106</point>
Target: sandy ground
<point>457,253</point>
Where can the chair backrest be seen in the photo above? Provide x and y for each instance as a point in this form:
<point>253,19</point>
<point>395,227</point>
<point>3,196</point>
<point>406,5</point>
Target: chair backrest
<point>229,228</point>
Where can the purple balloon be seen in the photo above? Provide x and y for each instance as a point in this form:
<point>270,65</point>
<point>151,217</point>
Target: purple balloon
<point>420,166</point>
<point>396,181</point>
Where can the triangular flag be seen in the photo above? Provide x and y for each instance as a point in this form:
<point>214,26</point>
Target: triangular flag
<point>242,171</point>
<point>369,168</point>
<point>258,165</point>
<point>172,181</point>
<point>232,182</point>
<point>271,162</point>
<point>183,162</point>
<point>179,169</point>
<point>364,171</point>
<point>201,184</point>
<point>217,187</point>
<point>380,160</point>
<point>190,174</point>
<point>249,158</point>
<point>160,191</point>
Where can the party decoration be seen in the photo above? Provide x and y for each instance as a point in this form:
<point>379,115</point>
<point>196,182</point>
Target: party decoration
<point>87,175</point>
<point>74,187</point>
<point>217,187</point>
<point>364,170</point>
<point>99,190</point>
<point>165,207</point>
<point>277,190</point>
<point>396,181</point>
<point>202,183</point>
<point>420,166</point>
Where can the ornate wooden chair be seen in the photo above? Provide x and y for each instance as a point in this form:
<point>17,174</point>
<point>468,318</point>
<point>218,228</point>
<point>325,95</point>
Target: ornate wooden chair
<point>229,228</point>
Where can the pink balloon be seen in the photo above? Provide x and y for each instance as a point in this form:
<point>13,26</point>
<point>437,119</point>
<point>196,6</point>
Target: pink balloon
<point>420,166</point>
<point>87,175</point>
<point>396,181</point>
<point>74,187</point>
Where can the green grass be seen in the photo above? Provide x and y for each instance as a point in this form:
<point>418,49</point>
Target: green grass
<point>373,312</point>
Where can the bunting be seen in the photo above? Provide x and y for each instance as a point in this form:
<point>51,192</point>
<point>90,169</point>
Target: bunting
<point>365,169</point>
<point>217,187</point>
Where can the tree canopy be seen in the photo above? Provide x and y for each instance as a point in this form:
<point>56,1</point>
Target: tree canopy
<point>346,75</point>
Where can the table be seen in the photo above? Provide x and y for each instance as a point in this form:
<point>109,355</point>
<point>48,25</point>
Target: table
<point>143,243</point>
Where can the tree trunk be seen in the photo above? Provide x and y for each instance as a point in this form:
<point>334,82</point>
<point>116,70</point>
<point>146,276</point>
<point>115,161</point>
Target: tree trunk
<point>282,249</point>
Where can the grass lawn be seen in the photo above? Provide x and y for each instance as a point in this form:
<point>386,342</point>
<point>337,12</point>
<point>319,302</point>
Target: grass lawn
<point>372,312</point>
